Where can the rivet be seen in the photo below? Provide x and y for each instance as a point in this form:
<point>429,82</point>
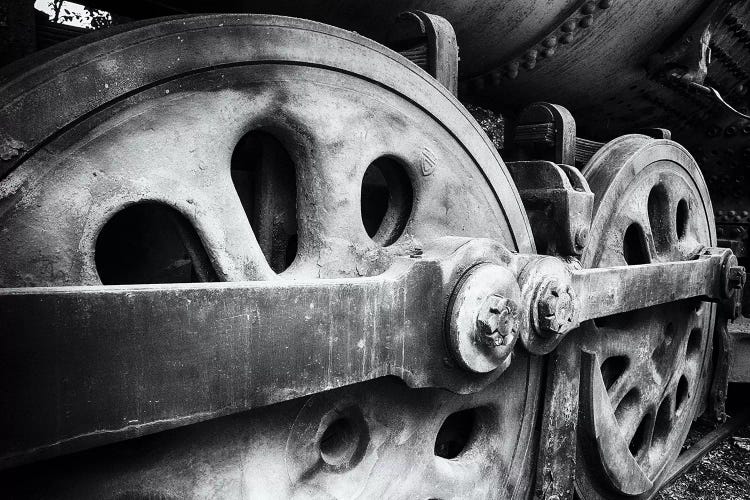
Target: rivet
<point>585,22</point>
<point>530,64</point>
<point>550,42</point>
<point>605,4</point>
<point>569,26</point>
<point>513,69</point>
<point>567,38</point>
<point>532,55</point>
<point>588,8</point>
<point>548,52</point>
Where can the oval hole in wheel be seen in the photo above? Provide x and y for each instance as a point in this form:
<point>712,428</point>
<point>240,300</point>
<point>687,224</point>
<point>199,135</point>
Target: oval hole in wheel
<point>387,198</point>
<point>682,218</point>
<point>658,216</point>
<point>456,433</point>
<point>264,177</point>
<point>344,438</point>
<point>150,243</point>
<point>634,247</point>
<point>613,368</point>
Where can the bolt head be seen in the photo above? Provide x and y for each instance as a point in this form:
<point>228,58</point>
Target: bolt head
<point>483,318</point>
<point>497,322</point>
<point>582,238</point>
<point>736,277</point>
<point>555,309</point>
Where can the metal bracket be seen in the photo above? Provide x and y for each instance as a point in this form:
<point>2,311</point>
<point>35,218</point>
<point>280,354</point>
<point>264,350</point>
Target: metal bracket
<point>428,41</point>
<point>559,204</point>
<point>547,132</point>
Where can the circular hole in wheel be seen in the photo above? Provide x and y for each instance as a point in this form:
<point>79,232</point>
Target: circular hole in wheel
<point>456,434</point>
<point>387,199</point>
<point>344,438</point>
<point>682,218</point>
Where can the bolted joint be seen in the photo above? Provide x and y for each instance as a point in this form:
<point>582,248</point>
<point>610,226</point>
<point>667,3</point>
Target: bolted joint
<point>556,309</point>
<point>581,239</point>
<point>736,277</point>
<point>497,322</point>
<point>482,322</point>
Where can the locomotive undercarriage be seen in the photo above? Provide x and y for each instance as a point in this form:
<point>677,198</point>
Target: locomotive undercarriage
<point>252,256</point>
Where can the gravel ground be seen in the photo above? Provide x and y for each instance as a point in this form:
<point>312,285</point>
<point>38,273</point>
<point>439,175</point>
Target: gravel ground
<point>723,473</point>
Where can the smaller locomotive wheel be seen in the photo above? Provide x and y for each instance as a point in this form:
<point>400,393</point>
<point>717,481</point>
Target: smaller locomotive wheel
<point>642,372</point>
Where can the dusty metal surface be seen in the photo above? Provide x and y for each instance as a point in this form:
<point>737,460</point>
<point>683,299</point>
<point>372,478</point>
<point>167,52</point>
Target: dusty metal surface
<point>738,349</point>
<point>642,373</point>
<point>108,146</point>
<point>558,202</point>
<point>326,168</point>
<point>203,351</point>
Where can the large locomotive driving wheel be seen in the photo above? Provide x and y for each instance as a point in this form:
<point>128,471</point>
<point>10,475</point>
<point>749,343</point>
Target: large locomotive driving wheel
<point>255,148</point>
<point>642,372</point>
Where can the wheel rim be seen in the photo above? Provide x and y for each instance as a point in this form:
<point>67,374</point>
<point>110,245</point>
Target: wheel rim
<point>331,104</point>
<point>642,372</point>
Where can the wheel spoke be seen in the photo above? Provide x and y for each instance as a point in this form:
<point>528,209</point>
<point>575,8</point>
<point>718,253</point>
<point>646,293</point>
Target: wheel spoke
<point>621,387</point>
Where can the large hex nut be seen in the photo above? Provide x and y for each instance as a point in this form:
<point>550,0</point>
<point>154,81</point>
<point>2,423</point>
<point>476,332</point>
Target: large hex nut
<point>483,318</point>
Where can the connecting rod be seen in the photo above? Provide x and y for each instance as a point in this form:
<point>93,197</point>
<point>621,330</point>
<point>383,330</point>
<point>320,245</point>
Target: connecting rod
<point>85,366</point>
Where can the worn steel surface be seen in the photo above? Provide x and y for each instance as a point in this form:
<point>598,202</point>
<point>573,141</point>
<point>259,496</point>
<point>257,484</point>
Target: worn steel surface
<point>558,202</point>
<point>140,359</point>
<point>153,117</point>
<point>642,373</point>
<point>738,351</point>
<point>170,355</point>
